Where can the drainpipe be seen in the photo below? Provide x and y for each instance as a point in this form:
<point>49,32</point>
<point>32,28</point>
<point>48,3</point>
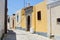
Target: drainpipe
<point>51,34</point>
<point>5,16</point>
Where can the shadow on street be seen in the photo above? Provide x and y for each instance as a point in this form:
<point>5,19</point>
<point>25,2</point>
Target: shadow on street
<point>11,35</point>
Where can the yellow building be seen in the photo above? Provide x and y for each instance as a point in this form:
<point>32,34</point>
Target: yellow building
<point>34,18</point>
<point>23,20</point>
<point>41,18</point>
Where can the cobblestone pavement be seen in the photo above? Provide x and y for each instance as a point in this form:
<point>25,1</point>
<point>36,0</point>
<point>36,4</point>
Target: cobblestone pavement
<point>23,35</point>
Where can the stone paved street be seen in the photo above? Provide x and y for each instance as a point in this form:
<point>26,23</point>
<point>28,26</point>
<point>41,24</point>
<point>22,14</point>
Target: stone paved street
<point>23,35</point>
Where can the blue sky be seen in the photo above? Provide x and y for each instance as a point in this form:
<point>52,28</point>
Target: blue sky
<point>14,5</point>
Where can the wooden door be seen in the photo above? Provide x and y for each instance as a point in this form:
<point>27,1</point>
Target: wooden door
<point>28,23</point>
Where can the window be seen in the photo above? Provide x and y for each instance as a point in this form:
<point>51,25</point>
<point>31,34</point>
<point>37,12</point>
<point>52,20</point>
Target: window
<point>17,18</point>
<point>39,15</point>
<point>58,20</point>
<point>8,20</point>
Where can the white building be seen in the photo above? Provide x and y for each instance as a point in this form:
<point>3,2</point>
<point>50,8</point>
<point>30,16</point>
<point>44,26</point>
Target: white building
<point>18,18</point>
<point>51,1</point>
<point>3,10</point>
<point>12,22</point>
<point>8,22</point>
<point>53,16</point>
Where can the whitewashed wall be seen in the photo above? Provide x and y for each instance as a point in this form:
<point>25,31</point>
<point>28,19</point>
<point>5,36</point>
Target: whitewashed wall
<point>52,15</point>
<point>51,1</point>
<point>11,18</point>
<point>8,26</point>
<point>55,13</point>
<point>2,11</point>
<point>19,14</point>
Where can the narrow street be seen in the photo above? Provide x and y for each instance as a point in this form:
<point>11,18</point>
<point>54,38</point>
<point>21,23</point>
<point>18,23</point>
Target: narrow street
<point>22,35</point>
<point>29,19</point>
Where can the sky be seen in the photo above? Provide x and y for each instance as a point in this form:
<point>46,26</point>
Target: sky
<point>15,5</point>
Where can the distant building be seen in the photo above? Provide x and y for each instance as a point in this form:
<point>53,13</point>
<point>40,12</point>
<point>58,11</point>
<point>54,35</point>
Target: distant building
<point>18,18</point>
<point>12,21</point>
<point>8,21</point>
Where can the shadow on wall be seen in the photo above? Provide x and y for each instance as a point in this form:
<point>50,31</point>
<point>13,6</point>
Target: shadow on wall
<point>11,35</point>
<point>20,28</point>
<point>42,34</point>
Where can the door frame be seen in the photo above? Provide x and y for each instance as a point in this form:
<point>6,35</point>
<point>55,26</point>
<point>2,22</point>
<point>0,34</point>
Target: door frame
<point>27,21</point>
<point>13,23</point>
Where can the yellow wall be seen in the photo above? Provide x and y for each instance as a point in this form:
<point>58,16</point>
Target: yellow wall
<point>33,19</point>
<point>23,19</point>
<point>37,25</point>
<point>41,25</point>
